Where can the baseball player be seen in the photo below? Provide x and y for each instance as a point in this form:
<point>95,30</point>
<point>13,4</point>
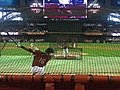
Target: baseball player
<point>74,44</point>
<point>65,49</point>
<point>40,58</point>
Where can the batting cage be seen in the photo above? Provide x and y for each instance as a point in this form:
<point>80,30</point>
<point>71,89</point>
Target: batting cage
<point>72,51</point>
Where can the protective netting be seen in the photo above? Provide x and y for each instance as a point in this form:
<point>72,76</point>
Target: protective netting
<point>91,53</point>
<point>90,61</point>
<point>57,86</point>
<point>22,86</point>
<point>100,86</point>
<point>97,59</point>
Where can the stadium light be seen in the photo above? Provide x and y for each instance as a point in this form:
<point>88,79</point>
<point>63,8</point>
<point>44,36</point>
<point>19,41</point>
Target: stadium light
<point>95,6</point>
<point>64,1</point>
<point>94,2</point>
<point>114,17</point>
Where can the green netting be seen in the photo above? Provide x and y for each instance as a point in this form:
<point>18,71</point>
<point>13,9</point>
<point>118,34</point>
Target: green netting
<point>87,66</point>
<point>97,59</point>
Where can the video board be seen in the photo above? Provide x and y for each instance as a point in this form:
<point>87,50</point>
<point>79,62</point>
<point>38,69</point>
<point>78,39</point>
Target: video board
<point>60,8</point>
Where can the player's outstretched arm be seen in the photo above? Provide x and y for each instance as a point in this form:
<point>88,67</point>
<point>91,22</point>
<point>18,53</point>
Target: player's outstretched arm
<point>25,48</point>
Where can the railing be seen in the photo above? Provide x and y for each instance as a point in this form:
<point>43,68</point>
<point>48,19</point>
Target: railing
<point>59,82</point>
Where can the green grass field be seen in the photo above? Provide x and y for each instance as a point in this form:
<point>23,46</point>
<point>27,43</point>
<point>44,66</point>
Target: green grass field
<point>101,59</point>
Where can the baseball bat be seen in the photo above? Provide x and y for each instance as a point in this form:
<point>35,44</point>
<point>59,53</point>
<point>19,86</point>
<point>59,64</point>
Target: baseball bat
<point>11,38</point>
<point>3,43</point>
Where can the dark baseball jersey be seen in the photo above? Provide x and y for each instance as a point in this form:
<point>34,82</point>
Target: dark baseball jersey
<point>64,46</point>
<point>40,58</point>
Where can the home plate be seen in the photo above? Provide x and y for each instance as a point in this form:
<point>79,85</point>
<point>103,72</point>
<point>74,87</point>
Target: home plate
<point>67,57</point>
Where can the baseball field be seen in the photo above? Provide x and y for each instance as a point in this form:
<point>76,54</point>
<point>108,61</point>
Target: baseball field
<point>97,59</point>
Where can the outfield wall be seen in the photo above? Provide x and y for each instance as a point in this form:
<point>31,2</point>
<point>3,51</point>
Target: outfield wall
<point>52,37</point>
<point>59,82</point>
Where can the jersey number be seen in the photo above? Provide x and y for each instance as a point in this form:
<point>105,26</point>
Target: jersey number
<point>42,61</point>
